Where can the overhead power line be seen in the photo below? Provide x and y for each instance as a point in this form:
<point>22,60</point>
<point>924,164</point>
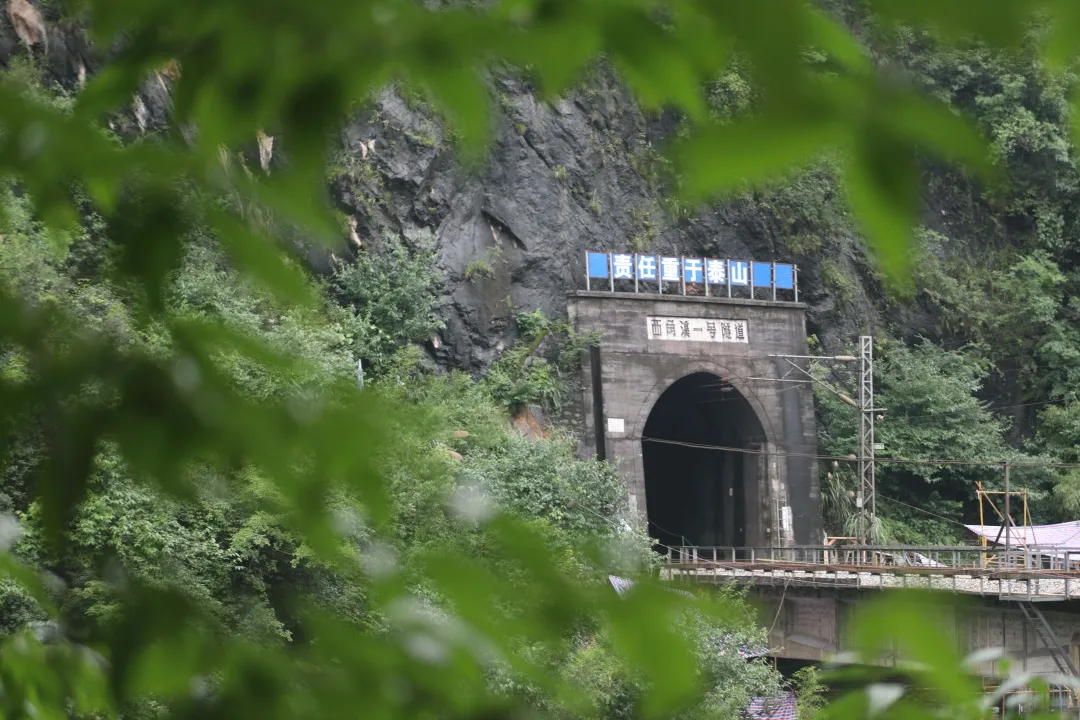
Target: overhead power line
<point>919,509</point>
<point>852,458</point>
<point>989,409</point>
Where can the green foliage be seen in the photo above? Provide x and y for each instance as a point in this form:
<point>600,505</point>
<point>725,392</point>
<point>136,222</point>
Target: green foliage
<point>484,265</point>
<point>953,286</point>
<point>731,681</point>
<point>840,283</point>
<point>594,203</point>
<point>173,381</point>
<point>1018,317</point>
<point>478,268</point>
<point>809,209</point>
<point>206,289</point>
<point>392,292</point>
<point>1059,437</point>
<point>1023,108</point>
<point>810,692</point>
<point>230,556</point>
<point>926,674</point>
<point>645,230</point>
<point>1033,316</point>
<point>611,689</point>
<point>731,95</point>
<point>536,370</point>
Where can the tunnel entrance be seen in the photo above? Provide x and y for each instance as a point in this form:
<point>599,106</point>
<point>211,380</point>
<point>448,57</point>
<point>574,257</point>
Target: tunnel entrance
<point>698,496</point>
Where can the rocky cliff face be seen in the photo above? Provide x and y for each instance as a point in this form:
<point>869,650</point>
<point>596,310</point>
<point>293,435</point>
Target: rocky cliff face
<point>511,230</point>
<point>582,173</point>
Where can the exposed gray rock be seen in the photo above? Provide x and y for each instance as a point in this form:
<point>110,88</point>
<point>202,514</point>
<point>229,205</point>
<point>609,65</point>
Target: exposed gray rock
<point>579,173</point>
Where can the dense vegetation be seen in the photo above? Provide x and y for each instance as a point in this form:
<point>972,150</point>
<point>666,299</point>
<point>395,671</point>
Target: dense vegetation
<point>204,516</point>
<point>979,361</point>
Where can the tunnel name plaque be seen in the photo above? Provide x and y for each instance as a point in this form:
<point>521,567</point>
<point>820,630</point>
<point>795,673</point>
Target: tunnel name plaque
<point>697,329</point>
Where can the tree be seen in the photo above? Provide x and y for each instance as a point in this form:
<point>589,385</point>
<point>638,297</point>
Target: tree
<point>932,412</point>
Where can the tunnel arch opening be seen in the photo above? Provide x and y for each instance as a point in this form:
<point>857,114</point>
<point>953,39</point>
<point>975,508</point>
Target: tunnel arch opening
<point>697,495</point>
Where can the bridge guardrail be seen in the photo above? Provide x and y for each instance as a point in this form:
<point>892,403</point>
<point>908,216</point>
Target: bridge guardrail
<point>1027,557</point>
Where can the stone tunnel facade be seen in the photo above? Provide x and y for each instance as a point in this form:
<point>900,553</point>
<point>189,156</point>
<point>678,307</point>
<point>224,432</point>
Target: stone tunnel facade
<point>674,378</point>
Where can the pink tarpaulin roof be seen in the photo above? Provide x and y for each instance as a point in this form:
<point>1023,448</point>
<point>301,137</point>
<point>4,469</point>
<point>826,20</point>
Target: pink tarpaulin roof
<point>1061,535</point>
<point>783,707</point>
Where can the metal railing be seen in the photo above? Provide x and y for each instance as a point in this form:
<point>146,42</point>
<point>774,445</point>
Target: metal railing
<point>929,557</point>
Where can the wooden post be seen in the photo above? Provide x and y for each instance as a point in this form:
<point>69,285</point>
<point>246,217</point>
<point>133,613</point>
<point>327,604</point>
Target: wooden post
<point>1007,517</point>
<point>1027,520</point>
<point>982,522</point>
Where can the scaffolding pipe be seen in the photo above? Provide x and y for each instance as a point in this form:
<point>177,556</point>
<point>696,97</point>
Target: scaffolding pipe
<point>1008,518</point>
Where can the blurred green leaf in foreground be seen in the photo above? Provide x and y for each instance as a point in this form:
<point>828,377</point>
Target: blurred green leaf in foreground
<point>186,430</point>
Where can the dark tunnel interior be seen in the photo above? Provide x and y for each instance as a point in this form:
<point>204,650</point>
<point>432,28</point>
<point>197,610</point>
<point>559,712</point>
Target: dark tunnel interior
<point>696,496</point>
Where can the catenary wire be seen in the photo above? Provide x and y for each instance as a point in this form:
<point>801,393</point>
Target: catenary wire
<point>898,461</point>
<point>942,517</point>
<point>992,408</point>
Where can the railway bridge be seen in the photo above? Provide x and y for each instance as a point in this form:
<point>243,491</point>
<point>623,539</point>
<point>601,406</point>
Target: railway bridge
<point>1025,601</point>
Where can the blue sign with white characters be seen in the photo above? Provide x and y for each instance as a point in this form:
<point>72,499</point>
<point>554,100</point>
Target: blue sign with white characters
<point>646,267</point>
<point>669,269</point>
<point>716,271</point>
<point>691,276</point>
<point>692,269</point>
<point>740,272</point>
<point>622,266</point>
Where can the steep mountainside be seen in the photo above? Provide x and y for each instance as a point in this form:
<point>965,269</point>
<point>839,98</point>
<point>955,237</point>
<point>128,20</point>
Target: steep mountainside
<point>582,173</point>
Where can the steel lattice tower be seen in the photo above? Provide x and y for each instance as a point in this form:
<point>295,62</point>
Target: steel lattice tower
<point>867,489</point>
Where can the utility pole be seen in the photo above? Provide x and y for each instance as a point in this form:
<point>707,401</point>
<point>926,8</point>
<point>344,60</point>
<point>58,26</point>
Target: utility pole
<point>866,500</point>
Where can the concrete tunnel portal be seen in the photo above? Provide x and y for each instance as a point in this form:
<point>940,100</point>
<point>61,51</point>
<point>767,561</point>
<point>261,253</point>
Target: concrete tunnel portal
<point>695,495</point>
<point>636,384</point>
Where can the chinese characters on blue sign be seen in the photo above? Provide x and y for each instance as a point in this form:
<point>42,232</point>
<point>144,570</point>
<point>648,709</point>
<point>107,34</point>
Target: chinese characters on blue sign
<point>705,276</point>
